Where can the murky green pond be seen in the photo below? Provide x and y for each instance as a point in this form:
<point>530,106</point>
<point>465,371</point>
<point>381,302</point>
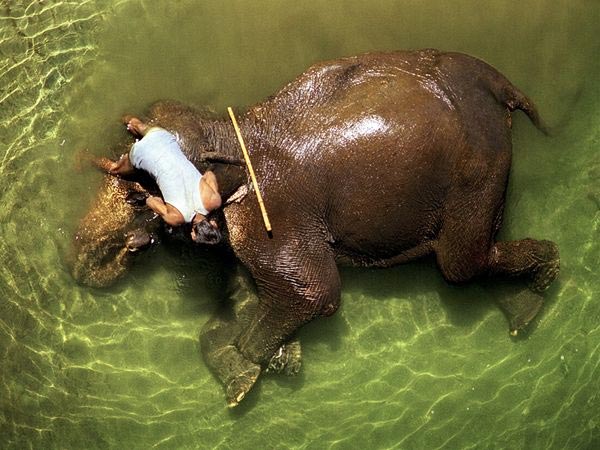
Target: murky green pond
<point>408,362</point>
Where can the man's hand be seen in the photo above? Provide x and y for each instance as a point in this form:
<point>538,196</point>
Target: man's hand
<point>156,204</point>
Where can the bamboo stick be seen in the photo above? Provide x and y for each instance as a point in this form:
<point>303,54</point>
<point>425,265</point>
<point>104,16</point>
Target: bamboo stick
<point>261,204</point>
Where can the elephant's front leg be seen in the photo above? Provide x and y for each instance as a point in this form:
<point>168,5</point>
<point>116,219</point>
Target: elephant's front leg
<point>237,373</point>
<point>218,337</point>
<point>295,285</point>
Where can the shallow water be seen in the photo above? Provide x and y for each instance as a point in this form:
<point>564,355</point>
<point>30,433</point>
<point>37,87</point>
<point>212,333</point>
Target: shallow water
<point>408,361</point>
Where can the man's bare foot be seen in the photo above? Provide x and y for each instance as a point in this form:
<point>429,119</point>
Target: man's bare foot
<point>135,126</point>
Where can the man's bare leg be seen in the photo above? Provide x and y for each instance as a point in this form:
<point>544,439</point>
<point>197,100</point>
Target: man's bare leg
<point>122,167</point>
<point>103,163</point>
<point>135,126</point>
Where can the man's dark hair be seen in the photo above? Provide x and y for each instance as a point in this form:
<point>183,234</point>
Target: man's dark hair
<point>206,233</point>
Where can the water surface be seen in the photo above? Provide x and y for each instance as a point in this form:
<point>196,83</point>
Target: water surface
<point>408,361</point>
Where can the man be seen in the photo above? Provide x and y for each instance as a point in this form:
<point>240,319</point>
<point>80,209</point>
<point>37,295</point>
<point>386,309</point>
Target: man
<point>188,195</point>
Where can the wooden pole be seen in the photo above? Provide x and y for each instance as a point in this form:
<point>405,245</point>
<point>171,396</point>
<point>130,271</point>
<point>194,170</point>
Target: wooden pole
<point>261,204</point>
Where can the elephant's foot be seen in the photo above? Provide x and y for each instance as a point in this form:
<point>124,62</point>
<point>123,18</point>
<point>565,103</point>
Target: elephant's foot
<point>237,373</point>
<point>286,360</point>
<point>521,309</point>
<point>240,385</point>
<point>548,268</point>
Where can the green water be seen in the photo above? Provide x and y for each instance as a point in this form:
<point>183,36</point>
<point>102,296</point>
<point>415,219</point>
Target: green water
<point>408,362</point>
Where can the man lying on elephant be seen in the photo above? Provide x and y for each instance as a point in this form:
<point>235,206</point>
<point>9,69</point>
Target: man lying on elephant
<point>188,195</point>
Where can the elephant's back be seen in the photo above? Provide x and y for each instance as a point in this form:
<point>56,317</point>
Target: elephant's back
<point>369,144</point>
<point>361,144</point>
<point>336,104</point>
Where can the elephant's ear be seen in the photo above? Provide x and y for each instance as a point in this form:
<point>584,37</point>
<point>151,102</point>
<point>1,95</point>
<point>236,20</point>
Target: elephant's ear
<point>229,176</point>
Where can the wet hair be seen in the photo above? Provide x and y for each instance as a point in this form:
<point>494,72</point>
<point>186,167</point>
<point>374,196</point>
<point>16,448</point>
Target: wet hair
<point>206,233</point>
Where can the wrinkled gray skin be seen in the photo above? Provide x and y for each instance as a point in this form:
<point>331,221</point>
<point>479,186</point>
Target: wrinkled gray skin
<point>217,338</point>
<point>372,160</point>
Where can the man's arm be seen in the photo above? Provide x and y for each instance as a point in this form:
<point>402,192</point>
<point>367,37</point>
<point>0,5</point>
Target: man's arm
<point>121,167</point>
<point>209,190</point>
<point>169,214</point>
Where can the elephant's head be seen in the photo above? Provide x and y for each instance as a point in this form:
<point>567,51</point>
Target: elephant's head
<point>115,230</point>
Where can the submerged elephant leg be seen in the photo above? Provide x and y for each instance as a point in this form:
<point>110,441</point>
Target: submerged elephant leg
<point>218,337</point>
<point>293,290</point>
<point>465,249</point>
<point>234,371</point>
<point>287,359</point>
<point>537,260</point>
<point>521,309</point>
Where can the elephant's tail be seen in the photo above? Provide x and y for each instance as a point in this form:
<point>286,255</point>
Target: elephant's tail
<point>505,92</point>
<point>485,76</point>
<point>514,99</point>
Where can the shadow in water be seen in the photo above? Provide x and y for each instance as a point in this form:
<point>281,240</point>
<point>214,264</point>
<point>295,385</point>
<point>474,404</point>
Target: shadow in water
<point>464,304</point>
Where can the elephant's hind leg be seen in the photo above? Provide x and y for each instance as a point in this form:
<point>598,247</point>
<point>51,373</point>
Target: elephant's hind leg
<point>538,260</point>
<point>466,249</point>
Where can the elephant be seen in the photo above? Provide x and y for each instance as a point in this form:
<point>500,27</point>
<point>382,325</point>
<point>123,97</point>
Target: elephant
<point>370,160</point>
<point>118,226</point>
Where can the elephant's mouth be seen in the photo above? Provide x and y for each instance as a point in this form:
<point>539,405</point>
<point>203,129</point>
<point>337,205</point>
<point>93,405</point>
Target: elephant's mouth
<point>138,240</point>
<point>102,263</point>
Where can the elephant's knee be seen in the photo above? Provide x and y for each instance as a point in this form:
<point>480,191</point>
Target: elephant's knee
<point>460,272</point>
<point>322,298</point>
<point>330,308</point>
<point>330,301</point>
